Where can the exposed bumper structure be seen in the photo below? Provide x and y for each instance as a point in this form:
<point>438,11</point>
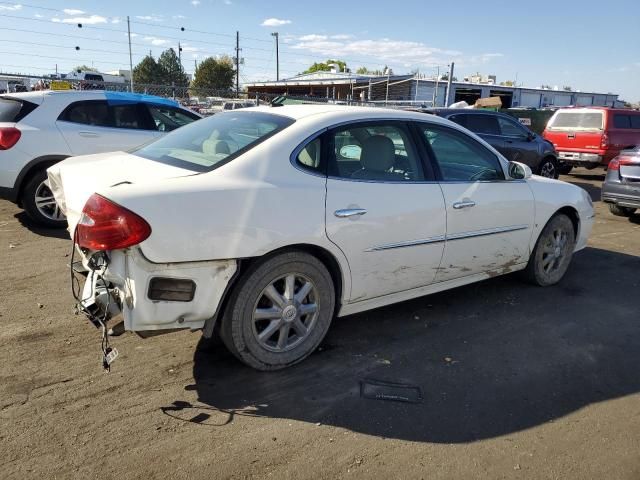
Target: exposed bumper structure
<point>129,276</point>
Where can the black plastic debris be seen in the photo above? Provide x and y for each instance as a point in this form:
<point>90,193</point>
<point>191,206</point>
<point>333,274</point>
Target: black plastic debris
<point>395,392</point>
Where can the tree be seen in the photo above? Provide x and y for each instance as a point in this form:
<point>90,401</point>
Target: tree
<point>507,83</point>
<point>567,88</point>
<point>171,68</point>
<point>445,77</point>
<point>366,71</point>
<point>84,68</point>
<point>545,87</point>
<point>327,66</point>
<point>148,72</point>
<point>213,74</point>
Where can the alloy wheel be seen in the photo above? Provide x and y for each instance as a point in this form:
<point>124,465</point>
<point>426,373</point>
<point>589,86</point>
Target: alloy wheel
<point>46,204</point>
<point>285,313</point>
<point>548,170</point>
<point>554,251</point>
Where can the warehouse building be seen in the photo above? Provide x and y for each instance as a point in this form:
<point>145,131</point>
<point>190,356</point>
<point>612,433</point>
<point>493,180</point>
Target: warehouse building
<point>411,89</point>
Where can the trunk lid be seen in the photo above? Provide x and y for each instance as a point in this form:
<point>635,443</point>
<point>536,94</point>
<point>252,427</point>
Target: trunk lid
<point>75,179</point>
<point>629,161</point>
<point>577,129</point>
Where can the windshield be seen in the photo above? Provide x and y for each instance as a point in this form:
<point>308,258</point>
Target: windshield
<point>577,120</point>
<point>211,142</point>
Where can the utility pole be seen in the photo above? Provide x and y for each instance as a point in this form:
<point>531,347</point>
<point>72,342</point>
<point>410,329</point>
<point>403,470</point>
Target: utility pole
<point>275,34</point>
<point>180,55</point>
<point>237,64</point>
<point>130,57</point>
<point>449,80</point>
<point>435,90</point>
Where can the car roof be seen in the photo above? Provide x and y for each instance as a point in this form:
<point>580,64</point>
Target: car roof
<point>112,97</point>
<point>298,112</point>
<point>451,111</point>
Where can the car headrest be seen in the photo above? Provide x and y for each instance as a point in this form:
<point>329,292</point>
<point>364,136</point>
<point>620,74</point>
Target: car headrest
<point>378,153</point>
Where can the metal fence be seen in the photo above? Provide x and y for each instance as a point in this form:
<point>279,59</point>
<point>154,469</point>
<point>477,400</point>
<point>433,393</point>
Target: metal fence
<point>206,101</point>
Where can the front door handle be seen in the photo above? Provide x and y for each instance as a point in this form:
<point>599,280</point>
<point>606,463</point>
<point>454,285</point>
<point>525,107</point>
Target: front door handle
<point>349,212</point>
<point>464,204</point>
<point>88,134</point>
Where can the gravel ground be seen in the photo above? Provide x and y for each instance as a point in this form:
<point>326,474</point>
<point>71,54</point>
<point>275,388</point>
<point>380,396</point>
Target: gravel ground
<point>517,381</point>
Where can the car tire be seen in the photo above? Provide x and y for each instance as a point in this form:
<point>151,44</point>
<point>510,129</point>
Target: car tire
<point>548,168</point>
<point>619,211</point>
<point>35,201</point>
<point>279,311</point>
<point>552,254</point>
<point>565,169</point>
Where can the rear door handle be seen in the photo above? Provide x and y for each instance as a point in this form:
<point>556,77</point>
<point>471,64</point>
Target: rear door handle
<point>464,204</point>
<point>88,134</point>
<point>350,212</point>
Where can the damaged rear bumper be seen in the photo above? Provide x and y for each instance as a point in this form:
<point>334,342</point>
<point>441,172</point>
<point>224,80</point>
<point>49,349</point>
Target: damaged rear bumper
<point>154,297</point>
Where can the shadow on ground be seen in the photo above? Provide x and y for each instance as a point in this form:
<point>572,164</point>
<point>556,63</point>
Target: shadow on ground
<point>594,191</point>
<point>491,358</point>
<point>26,222</point>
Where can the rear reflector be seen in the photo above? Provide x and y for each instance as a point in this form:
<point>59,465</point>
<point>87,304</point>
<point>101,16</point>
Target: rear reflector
<point>9,136</point>
<point>171,289</point>
<point>105,225</point>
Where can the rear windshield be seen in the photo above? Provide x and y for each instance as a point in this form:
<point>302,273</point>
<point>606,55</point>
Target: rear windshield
<point>14,109</point>
<point>211,142</point>
<point>577,121</point>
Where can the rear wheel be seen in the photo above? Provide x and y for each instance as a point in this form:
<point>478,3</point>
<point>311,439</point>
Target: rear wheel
<point>279,312</point>
<point>548,168</point>
<point>37,200</point>
<point>621,211</point>
<point>553,251</point>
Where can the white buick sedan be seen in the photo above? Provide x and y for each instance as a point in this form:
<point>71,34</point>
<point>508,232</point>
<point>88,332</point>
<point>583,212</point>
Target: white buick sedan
<point>264,224</point>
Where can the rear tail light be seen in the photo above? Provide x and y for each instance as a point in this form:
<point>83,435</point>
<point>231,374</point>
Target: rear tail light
<point>604,143</point>
<point>9,136</point>
<point>105,225</point>
<point>623,160</point>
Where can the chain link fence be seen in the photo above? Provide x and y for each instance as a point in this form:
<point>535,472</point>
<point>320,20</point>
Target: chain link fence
<point>203,100</point>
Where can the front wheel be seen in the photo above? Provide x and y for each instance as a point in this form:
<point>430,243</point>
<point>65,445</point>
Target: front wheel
<point>38,202</point>
<point>619,211</point>
<point>548,168</point>
<point>553,251</point>
<point>279,312</point>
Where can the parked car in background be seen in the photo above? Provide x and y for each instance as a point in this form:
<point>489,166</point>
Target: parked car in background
<point>505,133</point>
<point>621,187</point>
<point>271,220</point>
<point>590,137</point>
<point>38,129</point>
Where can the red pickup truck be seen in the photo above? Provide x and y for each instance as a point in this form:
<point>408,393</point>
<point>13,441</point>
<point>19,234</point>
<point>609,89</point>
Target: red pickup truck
<point>591,136</point>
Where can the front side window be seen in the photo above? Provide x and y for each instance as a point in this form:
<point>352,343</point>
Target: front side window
<point>482,124</point>
<point>89,112</point>
<point>621,121</point>
<point>459,157</point>
<point>211,142</point>
<point>129,116</point>
<point>510,128</point>
<point>379,151</point>
<point>167,119</point>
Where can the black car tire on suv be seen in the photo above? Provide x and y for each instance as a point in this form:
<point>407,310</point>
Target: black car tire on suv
<point>548,168</point>
<point>619,211</point>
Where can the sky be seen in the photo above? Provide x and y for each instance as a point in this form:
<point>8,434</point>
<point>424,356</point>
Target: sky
<point>588,45</point>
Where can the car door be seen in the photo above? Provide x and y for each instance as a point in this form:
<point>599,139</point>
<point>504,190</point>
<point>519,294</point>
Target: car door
<point>95,126</point>
<point>489,217</point>
<point>518,142</point>
<point>382,209</point>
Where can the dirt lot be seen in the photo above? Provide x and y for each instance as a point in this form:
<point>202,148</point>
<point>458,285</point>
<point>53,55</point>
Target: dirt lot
<point>518,382</point>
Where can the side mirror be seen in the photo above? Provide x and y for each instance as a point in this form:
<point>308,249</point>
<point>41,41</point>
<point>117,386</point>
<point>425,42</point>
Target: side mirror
<point>530,136</point>
<point>519,171</point>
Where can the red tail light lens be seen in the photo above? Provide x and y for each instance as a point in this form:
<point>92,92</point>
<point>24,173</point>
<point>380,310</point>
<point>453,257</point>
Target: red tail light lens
<point>614,164</point>
<point>604,143</point>
<point>623,160</point>
<point>9,136</point>
<point>105,225</point>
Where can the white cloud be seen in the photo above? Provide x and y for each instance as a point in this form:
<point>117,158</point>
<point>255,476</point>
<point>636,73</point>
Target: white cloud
<point>178,17</point>
<point>72,11</point>
<point>341,36</point>
<point>92,20</point>
<point>11,8</point>
<point>37,15</point>
<point>275,22</point>
<point>115,20</point>
<point>227,2</point>
<point>151,18</point>
<point>156,41</point>
<point>195,3</point>
<point>313,38</point>
<point>188,48</point>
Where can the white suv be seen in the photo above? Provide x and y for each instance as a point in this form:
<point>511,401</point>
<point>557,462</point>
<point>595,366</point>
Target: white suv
<point>38,129</point>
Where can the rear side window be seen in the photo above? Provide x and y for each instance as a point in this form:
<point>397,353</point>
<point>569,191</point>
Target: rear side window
<point>621,121</point>
<point>14,109</point>
<point>309,157</point>
<point>635,121</point>
<point>482,124</point>
<point>90,112</point>
<point>577,121</point>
